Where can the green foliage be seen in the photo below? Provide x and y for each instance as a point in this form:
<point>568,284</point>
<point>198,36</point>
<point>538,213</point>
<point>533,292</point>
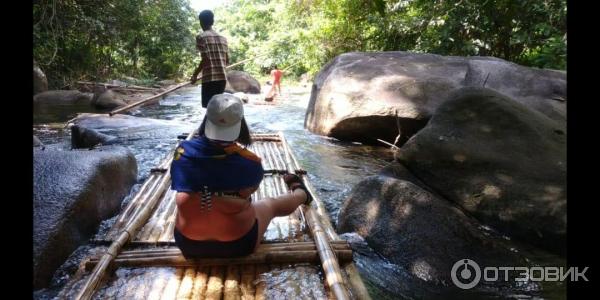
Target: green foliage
<point>102,39</point>
<point>305,34</point>
<point>155,38</point>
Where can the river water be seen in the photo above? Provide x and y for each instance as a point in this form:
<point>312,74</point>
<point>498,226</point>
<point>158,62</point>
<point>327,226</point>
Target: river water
<point>333,167</point>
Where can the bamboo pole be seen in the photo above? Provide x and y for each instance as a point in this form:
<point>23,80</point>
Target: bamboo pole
<point>260,282</point>
<point>151,223</point>
<point>359,290</point>
<point>214,286</point>
<point>157,288</point>
<point>140,102</point>
<point>262,248</point>
<point>246,282</point>
<point>300,256</point>
<point>231,288</point>
<point>329,259</point>
<point>187,284</point>
<point>200,282</point>
<point>170,292</point>
<point>149,185</point>
<point>126,234</point>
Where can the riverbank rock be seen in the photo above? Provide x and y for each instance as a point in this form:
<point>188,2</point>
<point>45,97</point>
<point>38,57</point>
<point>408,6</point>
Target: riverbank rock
<point>107,100</point>
<point>82,137</point>
<point>365,96</point>
<point>499,160</point>
<point>40,82</point>
<point>37,142</point>
<point>166,82</point>
<point>418,231</point>
<point>73,191</point>
<point>239,81</point>
<point>62,98</point>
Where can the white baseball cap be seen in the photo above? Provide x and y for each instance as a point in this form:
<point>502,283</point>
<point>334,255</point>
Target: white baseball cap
<point>224,114</point>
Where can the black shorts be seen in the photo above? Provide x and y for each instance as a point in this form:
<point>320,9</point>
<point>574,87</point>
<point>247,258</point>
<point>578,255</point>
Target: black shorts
<point>210,89</point>
<point>215,249</point>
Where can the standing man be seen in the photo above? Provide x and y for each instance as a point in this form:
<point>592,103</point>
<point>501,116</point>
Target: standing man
<point>214,58</point>
<point>276,73</point>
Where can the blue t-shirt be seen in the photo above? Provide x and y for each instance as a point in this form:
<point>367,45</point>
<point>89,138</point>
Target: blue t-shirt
<point>200,162</point>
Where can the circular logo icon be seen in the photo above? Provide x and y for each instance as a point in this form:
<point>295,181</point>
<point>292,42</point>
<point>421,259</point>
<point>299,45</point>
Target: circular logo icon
<point>465,274</point>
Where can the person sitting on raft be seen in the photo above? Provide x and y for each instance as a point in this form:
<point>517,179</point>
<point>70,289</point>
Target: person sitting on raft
<point>214,177</point>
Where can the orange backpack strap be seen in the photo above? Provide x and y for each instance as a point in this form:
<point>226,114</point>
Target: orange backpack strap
<point>245,153</point>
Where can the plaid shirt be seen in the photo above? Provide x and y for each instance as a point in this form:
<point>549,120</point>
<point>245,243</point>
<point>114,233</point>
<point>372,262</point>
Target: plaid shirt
<point>213,49</point>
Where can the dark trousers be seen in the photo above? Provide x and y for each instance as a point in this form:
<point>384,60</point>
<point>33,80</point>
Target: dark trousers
<point>210,89</point>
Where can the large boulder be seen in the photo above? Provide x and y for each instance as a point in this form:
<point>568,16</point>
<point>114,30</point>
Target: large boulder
<point>40,82</point>
<point>499,160</point>
<point>107,100</point>
<point>423,234</point>
<point>82,137</point>
<point>239,81</point>
<point>73,191</point>
<point>62,98</point>
<point>365,96</point>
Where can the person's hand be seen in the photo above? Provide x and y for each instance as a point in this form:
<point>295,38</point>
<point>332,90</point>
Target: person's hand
<point>194,79</point>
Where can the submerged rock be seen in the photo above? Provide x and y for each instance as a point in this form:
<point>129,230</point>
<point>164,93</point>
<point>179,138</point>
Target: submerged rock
<point>82,137</point>
<point>239,81</point>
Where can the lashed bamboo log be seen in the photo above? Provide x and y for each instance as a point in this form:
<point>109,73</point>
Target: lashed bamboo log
<point>266,248</point>
<point>260,282</point>
<point>359,290</point>
<point>126,234</point>
<point>231,288</point>
<point>300,256</point>
<point>135,204</point>
<point>200,282</point>
<point>187,284</point>
<point>246,282</point>
<point>170,292</point>
<point>157,288</point>
<point>214,286</point>
<point>329,259</point>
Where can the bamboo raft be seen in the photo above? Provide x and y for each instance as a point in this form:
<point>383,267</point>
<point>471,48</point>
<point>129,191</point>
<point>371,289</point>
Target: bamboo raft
<point>301,256</point>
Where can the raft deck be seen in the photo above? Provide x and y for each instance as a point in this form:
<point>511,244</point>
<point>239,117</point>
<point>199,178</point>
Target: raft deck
<point>301,256</point>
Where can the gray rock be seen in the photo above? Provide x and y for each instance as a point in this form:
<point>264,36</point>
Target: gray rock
<point>37,142</point>
<point>82,137</point>
<point>362,96</point>
<point>73,191</point>
<point>62,98</point>
<point>239,81</point>
<point>499,160</point>
<point>108,99</point>
<point>166,82</point>
<point>423,234</point>
<point>40,82</point>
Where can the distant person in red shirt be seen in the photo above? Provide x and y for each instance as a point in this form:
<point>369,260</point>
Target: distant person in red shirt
<point>276,75</point>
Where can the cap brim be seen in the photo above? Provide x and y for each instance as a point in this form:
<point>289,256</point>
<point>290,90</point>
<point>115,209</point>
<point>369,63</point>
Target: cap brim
<point>220,133</point>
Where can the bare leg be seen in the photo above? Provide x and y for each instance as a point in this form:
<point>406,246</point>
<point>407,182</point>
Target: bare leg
<point>280,206</point>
